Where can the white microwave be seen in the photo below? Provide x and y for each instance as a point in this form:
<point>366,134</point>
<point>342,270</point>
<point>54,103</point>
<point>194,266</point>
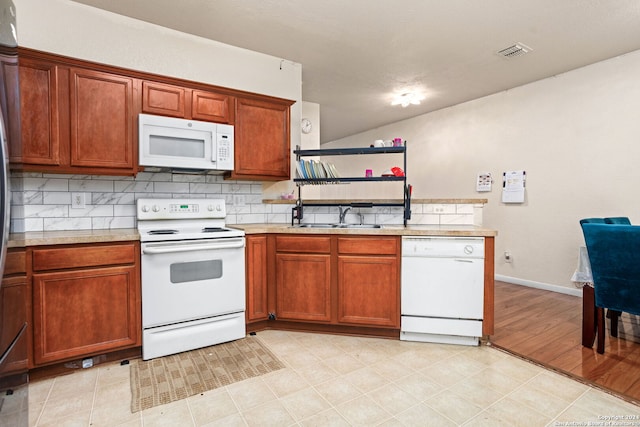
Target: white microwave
<point>168,142</point>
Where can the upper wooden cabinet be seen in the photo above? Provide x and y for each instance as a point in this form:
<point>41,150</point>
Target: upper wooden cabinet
<point>75,120</point>
<point>177,101</point>
<point>262,139</point>
<point>82,117</point>
<point>38,127</point>
<point>102,120</point>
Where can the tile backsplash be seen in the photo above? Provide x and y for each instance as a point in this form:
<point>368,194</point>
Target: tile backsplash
<point>44,202</point>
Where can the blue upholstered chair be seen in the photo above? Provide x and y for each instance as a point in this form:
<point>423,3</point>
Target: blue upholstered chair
<point>618,220</point>
<point>614,254</point>
<point>592,221</point>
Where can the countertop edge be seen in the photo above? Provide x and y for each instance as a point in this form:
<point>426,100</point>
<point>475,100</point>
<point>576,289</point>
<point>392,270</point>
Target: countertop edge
<point>388,230</point>
<point>70,237</point>
<point>311,202</point>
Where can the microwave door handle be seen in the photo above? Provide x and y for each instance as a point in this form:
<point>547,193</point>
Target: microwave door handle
<point>188,248</point>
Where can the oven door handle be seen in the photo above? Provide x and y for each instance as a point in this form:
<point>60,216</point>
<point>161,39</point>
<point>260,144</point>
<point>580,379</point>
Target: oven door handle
<point>167,249</point>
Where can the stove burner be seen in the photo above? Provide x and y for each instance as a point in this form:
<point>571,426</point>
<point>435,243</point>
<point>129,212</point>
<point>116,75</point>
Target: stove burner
<point>153,232</point>
<point>213,229</point>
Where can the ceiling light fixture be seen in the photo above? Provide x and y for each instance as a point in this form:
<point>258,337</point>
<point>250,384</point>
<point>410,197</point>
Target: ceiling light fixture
<point>408,98</point>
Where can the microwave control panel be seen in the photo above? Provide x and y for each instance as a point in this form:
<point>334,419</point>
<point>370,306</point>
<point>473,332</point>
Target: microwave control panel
<point>224,148</point>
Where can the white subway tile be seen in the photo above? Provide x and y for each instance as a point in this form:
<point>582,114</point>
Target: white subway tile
<point>196,188</point>
<point>91,211</point>
<point>56,198</point>
<point>133,187</point>
<point>171,187</point>
<point>45,184</point>
<point>46,211</point>
<point>34,224</point>
<point>112,198</point>
<point>67,224</point>
<point>102,223</point>
<point>91,185</point>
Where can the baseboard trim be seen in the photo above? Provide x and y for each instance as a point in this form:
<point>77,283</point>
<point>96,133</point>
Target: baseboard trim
<point>539,285</point>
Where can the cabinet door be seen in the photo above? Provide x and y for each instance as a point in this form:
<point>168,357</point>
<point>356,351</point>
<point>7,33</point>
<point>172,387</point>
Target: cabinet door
<point>261,140</point>
<point>163,99</point>
<point>83,312</point>
<point>211,107</point>
<point>14,313</point>
<point>256,273</point>
<point>40,139</point>
<point>368,290</point>
<point>303,287</point>
<point>102,129</point>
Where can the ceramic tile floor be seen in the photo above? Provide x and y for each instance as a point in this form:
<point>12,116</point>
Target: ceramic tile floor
<point>340,381</point>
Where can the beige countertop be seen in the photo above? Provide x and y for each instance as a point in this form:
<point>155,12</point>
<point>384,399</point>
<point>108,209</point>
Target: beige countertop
<point>394,230</point>
<point>41,238</point>
<point>67,237</point>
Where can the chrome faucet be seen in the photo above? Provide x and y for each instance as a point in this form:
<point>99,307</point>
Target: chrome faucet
<point>343,213</point>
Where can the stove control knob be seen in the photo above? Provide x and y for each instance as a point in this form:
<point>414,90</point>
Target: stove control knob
<point>145,208</point>
<point>210,208</point>
<point>156,208</point>
<point>218,208</point>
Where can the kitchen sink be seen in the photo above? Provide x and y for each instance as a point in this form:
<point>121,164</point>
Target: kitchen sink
<point>338,225</point>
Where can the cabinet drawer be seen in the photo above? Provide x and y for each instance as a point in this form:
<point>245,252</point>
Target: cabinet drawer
<point>366,246</point>
<point>83,256</point>
<point>303,244</point>
<point>15,262</point>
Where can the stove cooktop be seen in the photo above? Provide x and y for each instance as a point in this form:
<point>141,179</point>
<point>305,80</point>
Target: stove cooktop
<point>183,219</point>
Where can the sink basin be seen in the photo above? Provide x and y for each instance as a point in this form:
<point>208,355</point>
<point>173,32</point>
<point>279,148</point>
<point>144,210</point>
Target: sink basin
<point>338,225</point>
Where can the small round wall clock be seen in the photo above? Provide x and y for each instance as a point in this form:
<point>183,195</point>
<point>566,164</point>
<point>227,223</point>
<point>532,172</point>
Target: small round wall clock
<point>306,126</point>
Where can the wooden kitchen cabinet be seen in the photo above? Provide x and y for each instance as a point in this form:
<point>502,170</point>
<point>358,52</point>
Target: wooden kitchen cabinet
<point>86,300</point>
<point>303,278</point>
<point>186,103</point>
<point>39,127</point>
<point>349,281</point>
<point>262,139</point>
<point>256,276</point>
<point>74,119</point>
<point>369,281</point>
<point>15,310</point>
<point>101,119</point>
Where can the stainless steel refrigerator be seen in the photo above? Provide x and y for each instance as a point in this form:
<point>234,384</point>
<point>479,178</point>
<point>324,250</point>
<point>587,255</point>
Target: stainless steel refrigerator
<point>14,410</point>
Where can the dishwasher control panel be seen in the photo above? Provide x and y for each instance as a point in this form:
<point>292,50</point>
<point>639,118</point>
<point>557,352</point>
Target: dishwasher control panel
<point>439,247</point>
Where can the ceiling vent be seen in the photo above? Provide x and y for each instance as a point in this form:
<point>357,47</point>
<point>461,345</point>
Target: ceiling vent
<point>517,49</point>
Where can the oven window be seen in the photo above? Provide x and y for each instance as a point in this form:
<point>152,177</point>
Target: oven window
<point>196,270</point>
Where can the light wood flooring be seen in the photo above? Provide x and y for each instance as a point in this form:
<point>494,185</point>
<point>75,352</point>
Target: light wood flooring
<point>546,327</point>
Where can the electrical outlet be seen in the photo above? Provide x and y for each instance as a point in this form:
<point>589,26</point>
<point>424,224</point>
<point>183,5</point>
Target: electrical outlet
<point>238,200</point>
<point>507,256</point>
<point>77,201</point>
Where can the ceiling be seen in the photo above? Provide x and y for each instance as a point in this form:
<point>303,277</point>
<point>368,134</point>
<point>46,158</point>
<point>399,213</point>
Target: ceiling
<point>356,54</point>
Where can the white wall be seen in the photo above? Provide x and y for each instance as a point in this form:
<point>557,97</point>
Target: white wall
<point>80,31</point>
<point>577,135</point>
<point>76,30</point>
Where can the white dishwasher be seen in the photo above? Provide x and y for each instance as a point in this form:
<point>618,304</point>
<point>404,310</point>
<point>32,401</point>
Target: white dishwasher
<point>442,289</point>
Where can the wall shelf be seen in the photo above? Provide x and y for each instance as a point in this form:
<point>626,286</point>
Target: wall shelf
<point>297,211</point>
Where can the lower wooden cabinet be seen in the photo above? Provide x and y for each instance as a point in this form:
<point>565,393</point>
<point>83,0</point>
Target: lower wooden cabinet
<point>86,300</point>
<point>333,280</point>
<point>256,276</point>
<point>15,311</point>
<point>303,287</point>
<point>369,281</point>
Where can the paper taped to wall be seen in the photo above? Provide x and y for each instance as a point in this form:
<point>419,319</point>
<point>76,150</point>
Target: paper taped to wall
<point>513,184</point>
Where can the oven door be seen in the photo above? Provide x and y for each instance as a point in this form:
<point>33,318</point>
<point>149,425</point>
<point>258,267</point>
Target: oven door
<point>190,280</point>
